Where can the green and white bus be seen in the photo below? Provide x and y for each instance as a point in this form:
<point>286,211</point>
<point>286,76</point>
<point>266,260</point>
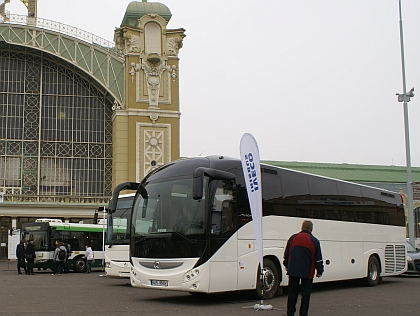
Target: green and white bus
<point>46,231</point>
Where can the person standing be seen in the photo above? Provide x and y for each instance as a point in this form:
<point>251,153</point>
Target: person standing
<point>89,258</point>
<point>60,255</point>
<point>55,257</point>
<point>20,255</point>
<point>30,256</point>
<point>301,257</point>
<point>66,263</point>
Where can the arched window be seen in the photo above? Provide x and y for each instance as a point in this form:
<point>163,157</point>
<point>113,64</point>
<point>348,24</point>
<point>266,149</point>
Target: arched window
<point>55,128</point>
<point>153,38</point>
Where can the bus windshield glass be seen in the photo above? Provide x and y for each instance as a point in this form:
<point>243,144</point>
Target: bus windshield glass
<point>118,222</point>
<point>39,235</point>
<point>169,207</point>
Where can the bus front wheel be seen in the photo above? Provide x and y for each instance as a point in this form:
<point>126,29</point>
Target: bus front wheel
<point>80,265</point>
<point>267,286</point>
<point>373,272</point>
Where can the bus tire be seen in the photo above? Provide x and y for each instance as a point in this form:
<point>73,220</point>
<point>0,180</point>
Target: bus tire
<point>271,280</point>
<point>373,272</point>
<point>79,265</point>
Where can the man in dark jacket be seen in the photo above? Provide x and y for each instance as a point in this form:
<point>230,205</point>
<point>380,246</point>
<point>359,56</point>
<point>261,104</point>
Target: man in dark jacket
<point>66,263</point>
<point>30,256</point>
<point>20,255</point>
<point>301,257</point>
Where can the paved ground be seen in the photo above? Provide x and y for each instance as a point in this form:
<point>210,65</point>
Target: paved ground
<point>90,294</point>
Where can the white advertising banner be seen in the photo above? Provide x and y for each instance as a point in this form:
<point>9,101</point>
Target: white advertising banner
<point>13,241</point>
<point>250,158</point>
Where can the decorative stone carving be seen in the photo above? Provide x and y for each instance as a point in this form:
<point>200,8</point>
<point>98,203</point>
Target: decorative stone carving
<point>116,106</point>
<point>174,44</point>
<point>153,147</point>
<point>3,7</point>
<point>173,72</point>
<point>119,39</point>
<point>32,7</point>
<point>153,117</point>
<point>132,42</point>
<point>133,69</point>
<point>153,72</point>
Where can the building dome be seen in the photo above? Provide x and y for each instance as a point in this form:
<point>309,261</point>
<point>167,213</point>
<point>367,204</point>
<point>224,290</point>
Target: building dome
<point>136,9</point>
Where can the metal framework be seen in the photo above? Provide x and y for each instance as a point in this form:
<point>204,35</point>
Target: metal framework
<point>94,55</point>
<point>55,130</point>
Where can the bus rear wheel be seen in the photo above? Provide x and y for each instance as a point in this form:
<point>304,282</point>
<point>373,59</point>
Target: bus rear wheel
<point>270,280</point>
<point>79,265</point>
<point>373,272</point>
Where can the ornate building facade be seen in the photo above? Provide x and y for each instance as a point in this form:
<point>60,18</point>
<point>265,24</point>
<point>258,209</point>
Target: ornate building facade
<point>79,114</point>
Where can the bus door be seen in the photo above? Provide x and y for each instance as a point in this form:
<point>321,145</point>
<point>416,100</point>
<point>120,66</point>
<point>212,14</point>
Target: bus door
<point>223,248</point>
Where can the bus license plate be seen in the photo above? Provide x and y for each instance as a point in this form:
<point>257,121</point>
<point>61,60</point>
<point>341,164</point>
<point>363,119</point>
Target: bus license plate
<point>158,282</point>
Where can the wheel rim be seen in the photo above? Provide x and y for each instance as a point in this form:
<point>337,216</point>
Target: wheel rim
<point>373,271</point>
<point>80,265</point>
<point>269,279</point>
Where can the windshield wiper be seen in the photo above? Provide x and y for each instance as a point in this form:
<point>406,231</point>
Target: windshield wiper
<point>114,241</point>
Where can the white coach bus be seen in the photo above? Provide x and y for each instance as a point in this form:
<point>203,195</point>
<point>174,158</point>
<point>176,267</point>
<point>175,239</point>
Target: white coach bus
<point>205,242</point>
<point>117,254</point>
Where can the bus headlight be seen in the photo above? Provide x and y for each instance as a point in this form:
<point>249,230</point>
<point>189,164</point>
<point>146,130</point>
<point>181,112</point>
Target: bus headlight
<point>409,259</point>
<point>107,265</point>
<point>190,275</point>
<point>134,275</point>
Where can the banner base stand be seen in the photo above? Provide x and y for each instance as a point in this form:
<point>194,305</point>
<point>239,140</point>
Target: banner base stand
<point>266,307</point>
<point>263,307</point>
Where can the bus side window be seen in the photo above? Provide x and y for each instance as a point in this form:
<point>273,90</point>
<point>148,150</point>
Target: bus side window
<point>77,241</point>
<point>216,212</point>
<point>227,216</point>
<point>222,210</point>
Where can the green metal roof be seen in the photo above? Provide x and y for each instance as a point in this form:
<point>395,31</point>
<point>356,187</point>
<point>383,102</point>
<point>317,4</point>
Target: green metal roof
<point>136,9</point>
<point>351,172</point>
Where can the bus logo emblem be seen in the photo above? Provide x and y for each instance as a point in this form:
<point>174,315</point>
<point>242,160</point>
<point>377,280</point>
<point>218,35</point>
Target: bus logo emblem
<point>156,265</point>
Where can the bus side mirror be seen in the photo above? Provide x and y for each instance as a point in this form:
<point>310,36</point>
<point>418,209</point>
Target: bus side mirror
<point>213,174</point>
<point>120,187</point>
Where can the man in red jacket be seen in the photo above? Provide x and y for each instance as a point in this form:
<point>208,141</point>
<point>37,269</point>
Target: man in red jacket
<point>302,256</point>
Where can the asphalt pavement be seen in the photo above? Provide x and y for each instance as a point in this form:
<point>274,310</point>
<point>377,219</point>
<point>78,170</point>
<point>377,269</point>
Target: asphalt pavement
<point>91,294</point>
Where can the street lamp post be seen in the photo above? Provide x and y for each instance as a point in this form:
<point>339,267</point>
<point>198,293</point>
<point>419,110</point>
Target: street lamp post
<point>405,97</point>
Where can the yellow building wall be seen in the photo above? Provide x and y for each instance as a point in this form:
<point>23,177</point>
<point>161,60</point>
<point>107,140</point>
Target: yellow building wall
<point>146,132</point>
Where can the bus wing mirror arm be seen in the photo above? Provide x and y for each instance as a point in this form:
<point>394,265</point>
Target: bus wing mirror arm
<point>122,186</point>
<point>213,174</point>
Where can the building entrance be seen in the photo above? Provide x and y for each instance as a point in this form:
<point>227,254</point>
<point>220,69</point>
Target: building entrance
<point>5,225</point>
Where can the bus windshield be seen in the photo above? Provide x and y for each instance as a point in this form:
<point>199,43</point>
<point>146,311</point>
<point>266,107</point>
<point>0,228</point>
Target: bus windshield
<point>39,235</point>
<point>169,207</point>
<point>118,222</point>
<point>168,212</point>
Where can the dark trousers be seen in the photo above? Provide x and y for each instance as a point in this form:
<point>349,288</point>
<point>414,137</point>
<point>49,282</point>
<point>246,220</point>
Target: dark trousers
<point>305,286</point>
<point>30,268</point>
<point>58,267</point>
<point>66,266</point>
<point>21,264</point>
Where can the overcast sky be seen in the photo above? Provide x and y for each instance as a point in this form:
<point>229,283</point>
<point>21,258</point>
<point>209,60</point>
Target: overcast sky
<point>312,80</point>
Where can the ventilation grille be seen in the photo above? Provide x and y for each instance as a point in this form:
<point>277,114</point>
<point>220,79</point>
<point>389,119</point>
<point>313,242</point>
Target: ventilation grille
<point>395,259</point>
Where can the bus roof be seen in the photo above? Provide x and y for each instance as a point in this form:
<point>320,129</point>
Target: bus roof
<point>70,226</point>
